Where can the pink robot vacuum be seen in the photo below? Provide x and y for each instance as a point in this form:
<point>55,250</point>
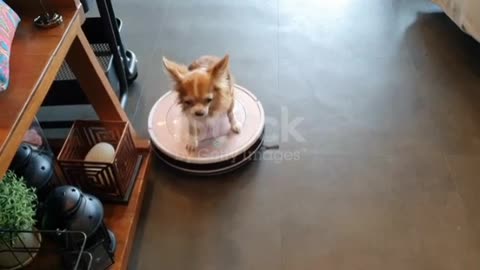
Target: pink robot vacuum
<point>220,150</point>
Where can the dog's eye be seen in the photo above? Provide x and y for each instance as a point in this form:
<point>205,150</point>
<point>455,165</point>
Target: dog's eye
<point>208,100</point>
<point>188,102</point>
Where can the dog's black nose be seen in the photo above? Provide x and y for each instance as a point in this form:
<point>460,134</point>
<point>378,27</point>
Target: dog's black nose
<point>199,113</point>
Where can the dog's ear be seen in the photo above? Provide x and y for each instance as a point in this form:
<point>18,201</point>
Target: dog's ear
<point>176,71</point>
<point>219,70</point>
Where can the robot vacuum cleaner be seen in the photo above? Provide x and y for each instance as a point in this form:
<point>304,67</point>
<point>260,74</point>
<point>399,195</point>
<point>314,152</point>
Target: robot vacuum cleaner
<point>220,150</point>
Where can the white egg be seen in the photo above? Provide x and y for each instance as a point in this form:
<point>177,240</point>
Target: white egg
<point>101,152</point>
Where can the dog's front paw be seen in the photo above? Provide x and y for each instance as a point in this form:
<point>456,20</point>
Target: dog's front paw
<point>236,127</point>
<point>192,145</point>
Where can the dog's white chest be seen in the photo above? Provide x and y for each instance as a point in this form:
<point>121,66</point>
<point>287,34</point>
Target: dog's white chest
<point>212,127</point>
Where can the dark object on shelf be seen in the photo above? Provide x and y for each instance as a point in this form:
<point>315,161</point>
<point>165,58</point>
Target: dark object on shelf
<point>36,167</point>
<point>119,63</point>
<point>108,181</point>
<point>22,157</point>
<point>48,20</point>
<point>68,208</point>
<point>51,255</point>
<point>63,201</point>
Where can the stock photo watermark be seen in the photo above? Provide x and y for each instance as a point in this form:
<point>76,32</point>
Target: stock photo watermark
<point>285,129</point>
<point>287,126</point>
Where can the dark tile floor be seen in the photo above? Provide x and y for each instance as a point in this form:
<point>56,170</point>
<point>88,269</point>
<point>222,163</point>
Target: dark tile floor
<point>387,92</point>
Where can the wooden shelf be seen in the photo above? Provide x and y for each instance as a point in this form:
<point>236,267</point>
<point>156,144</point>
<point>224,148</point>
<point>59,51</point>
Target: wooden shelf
<point>37,55</point>
<point>123,219</point>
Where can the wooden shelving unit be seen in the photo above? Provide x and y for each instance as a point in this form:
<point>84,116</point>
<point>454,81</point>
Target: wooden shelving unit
<point>37,55</point>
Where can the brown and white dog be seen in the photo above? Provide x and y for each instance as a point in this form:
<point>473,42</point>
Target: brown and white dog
<point>205,90</point>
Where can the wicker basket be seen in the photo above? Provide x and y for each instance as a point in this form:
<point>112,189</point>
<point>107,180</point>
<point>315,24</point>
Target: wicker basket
<point>108,181</point>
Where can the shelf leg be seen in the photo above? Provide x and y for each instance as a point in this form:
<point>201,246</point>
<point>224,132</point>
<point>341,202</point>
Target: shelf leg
<point>94,82</point>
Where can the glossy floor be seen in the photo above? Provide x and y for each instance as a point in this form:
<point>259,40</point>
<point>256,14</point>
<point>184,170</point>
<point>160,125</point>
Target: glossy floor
<point>376,108</point>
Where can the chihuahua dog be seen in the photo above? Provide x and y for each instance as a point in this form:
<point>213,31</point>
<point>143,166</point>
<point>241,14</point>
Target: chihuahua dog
<point>205,90</point>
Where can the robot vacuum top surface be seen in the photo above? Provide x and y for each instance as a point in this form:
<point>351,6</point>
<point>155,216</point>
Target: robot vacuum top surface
<point>168,129</point>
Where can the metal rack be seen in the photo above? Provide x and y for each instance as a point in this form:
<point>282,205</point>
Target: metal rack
<point>58,250</point>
